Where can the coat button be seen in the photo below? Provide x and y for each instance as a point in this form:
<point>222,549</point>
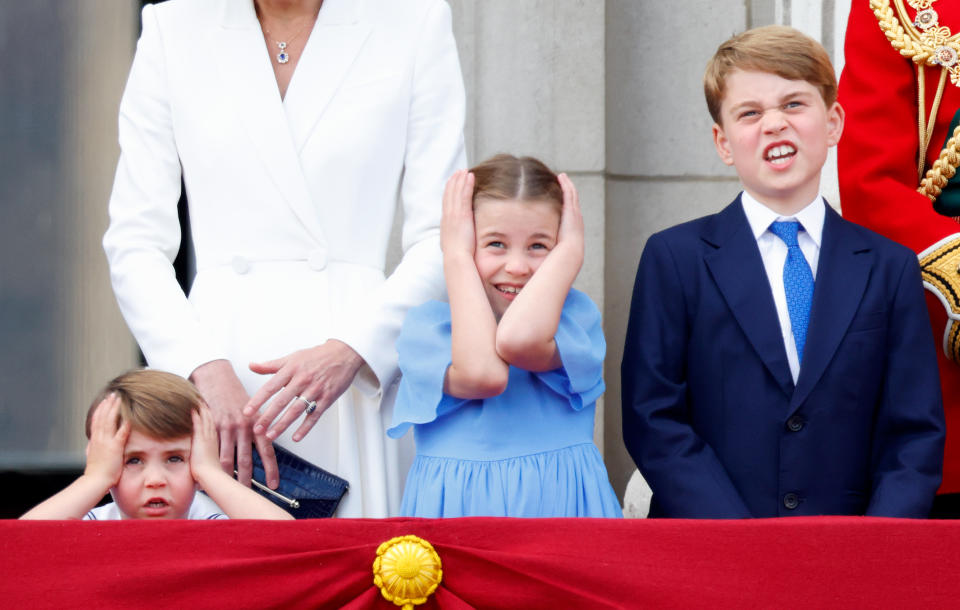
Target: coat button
<point>240,264</point>
<point>791,500</point>
<point>317,259</point>
<point>795,423</point>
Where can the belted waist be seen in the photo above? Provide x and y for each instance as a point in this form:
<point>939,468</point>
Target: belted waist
<point>315,260</point>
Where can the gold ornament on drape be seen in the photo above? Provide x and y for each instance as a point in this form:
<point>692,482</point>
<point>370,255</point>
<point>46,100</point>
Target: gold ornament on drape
<point>407,571</point>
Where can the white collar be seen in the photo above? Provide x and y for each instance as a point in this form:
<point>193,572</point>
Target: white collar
<point>811,217</point>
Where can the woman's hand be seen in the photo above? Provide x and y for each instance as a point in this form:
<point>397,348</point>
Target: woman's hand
<point>226,396</point>
<point>107,441</point>
<point>318,375</point>
<point>457,232</point>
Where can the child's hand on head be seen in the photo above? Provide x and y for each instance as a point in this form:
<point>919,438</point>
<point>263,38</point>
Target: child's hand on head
<point>571,219</point>
<point>205,445</point>
<point>457,232</point>
<point>107,441</point>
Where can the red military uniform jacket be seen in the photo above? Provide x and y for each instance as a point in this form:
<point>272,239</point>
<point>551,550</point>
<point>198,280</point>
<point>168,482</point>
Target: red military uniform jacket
<point>878,157</point>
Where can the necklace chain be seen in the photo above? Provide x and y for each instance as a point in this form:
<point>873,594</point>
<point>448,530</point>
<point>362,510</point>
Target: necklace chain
<point>284,56</point>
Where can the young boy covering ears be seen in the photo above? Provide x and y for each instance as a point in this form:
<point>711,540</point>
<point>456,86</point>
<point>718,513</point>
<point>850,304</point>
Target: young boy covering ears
<point>152,444</point>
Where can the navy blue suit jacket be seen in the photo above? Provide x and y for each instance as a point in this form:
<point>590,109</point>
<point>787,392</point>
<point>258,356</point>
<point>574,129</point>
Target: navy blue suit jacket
<point>710,411</point>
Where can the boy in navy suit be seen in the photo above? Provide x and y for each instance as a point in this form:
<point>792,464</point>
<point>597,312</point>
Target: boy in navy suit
<point>777,359</point>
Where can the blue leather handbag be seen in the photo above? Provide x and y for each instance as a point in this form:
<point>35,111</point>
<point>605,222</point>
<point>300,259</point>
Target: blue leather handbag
<point>306,491</point>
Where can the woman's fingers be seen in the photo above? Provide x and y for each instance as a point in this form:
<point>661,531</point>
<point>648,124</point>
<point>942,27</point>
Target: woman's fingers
<point>268,367</point>
<point>281,377</point>
<point>298,408</point>
<point>274,408</point>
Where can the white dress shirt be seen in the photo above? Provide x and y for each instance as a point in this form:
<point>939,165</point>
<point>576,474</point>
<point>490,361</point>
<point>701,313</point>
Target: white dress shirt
<point>773,251</point>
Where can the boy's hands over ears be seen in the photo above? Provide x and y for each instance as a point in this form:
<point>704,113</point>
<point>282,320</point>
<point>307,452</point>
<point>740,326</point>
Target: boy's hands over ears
<point>205,444</point>
<point>107,440</point>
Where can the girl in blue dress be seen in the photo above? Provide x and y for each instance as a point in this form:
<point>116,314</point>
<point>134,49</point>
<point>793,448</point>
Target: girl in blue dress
<point>500,384</point>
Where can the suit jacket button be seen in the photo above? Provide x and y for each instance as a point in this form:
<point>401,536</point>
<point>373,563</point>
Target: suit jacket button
<point>317,259</point>
<point>791,500</point>
<point>240,264</point>
<point>795,423</point>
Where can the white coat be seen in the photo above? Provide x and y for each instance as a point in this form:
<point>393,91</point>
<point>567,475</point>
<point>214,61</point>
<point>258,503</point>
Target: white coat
<point>291,201</point>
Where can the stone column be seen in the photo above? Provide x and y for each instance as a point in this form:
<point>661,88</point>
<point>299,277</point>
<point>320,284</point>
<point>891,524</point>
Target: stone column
<point>102,50</point>
<point>63,67</point>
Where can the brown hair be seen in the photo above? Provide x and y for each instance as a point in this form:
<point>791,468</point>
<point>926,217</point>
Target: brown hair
<point>522,178</point>
<point>155,403</point>
<point>776,49</point>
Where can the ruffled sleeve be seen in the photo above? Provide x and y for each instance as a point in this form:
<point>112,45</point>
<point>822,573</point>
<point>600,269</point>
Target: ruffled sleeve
<point>582,349</point>
<point>423,349</point>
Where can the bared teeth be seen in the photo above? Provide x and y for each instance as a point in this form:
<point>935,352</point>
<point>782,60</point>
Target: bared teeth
<point>780,153</point>
<point>509,289</point>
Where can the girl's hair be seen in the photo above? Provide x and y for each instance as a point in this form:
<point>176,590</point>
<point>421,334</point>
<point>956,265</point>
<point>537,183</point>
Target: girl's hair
<point>155,403</point>
<point>508,177</point>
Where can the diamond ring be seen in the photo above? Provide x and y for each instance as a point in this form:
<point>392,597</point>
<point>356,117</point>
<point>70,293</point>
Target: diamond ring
<point>311,405</point>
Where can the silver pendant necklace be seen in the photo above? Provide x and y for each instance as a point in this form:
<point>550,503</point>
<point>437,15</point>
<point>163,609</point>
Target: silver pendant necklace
<point>283,56</point>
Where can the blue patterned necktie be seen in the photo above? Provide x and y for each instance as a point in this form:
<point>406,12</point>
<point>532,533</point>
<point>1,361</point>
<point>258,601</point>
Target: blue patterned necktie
<point>797,282</point>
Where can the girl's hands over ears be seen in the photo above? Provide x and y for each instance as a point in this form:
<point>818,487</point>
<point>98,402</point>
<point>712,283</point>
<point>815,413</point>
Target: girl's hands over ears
<point>457,232</point>
<point>571,218</point>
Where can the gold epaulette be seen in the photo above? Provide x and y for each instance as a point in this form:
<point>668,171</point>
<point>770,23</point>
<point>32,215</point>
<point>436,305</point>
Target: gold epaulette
<point>940,269</point>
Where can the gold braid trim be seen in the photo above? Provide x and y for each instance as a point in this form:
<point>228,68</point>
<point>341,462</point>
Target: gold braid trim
<point>940,270</point>
<point>934,46</point>
<point>943,169</point>
<point>951,342</point>
<point>908,43</point>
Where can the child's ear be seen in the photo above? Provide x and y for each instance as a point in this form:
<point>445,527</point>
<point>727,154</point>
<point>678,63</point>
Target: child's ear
<point>835,117</point>
<point>722,144</point>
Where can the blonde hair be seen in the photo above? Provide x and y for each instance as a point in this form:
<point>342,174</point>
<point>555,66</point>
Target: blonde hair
<point>508,177</point>
<point>776,49</point>
<point>155,403</point>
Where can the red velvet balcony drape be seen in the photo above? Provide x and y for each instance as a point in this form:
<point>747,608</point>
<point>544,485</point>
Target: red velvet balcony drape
<point>487,563</point>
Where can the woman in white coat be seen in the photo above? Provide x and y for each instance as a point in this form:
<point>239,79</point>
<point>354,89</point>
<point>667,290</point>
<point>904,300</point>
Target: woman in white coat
<point>295,125</point>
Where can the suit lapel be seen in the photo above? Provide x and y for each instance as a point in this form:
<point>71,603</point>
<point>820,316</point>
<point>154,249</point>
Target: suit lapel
<point>738,271</point>
<point>334,44</point>
<point>842,274</point>
<point>249,83</point>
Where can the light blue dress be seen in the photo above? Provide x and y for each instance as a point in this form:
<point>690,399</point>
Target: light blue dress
<point>528,452</point>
